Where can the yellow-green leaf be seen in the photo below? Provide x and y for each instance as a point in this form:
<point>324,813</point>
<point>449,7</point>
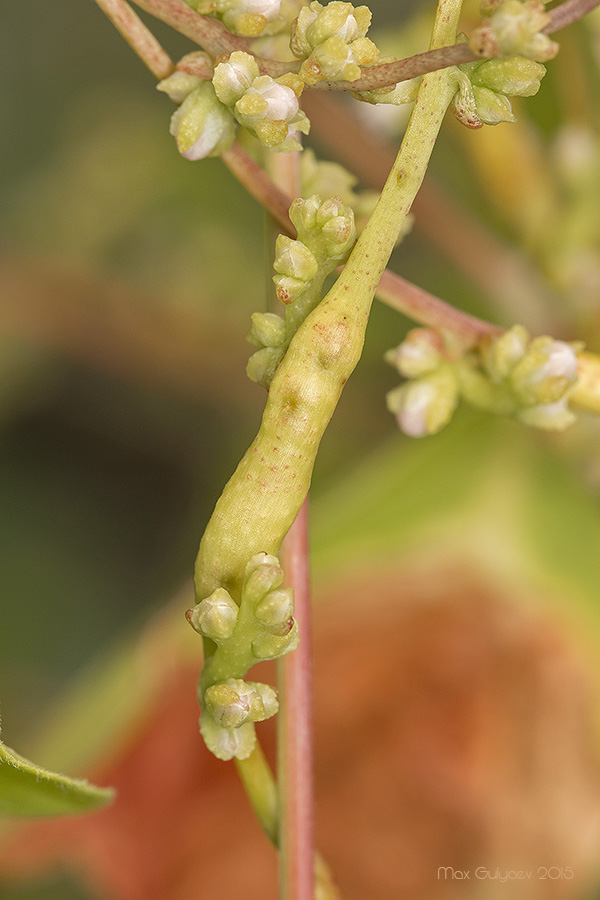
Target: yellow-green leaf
<point>29,790</point>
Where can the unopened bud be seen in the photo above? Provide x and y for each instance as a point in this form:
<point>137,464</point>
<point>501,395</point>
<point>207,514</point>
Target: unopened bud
<point>263,364</point>
<point>303,213</point>
<point>340,234</point>
<point>293,258</point>
<point>419,353</point>
<point>228,743</point>
<point>548,416</point>
<point>178,85</point>
<point>545,373</point>
<point>501,354</point>
<point>276,608</point>
<point>232,78</point>
<point>516,76</point>
<point>272,646</point>
<point>288,289</point>
<point>202,125</point>
<point>331,40</point>
<point>234,702</point>
<point>515,28</point>
<point>215,617</point>
<point>268,330</point>
<point>263,574</point>
<point>247,17</point>
<point>424,406</point>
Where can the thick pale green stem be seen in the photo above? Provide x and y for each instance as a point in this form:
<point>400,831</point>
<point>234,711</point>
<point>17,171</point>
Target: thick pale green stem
<point>264,495</point>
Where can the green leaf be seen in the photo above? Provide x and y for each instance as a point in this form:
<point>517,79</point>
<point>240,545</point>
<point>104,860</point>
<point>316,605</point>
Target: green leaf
<point>29,790</point>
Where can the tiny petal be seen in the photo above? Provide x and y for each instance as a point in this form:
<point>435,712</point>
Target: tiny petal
<point>425,405</point>
<point>548,416</point>
<point>178,85</point>
<point>228,743</point>
<point>545,373</point>
<point>501,355</point>
<point>276,607</point>
<point>419,353</point>
<point>293,258</point>
<point>202,125</point>
<point>232,78</point>
<point>268,330</point>
<point>215,617</point>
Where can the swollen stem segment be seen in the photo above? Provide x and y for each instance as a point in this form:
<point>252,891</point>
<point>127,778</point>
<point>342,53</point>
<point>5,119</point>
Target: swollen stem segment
<point>265,493</point>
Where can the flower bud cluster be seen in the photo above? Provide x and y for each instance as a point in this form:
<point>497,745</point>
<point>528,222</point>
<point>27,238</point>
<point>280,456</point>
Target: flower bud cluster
<point>513,28</point>
<point>427,400</point>
<point>202,125</point>
<point>326,234</point>
<point>484,88</point>
<point>538,375</point>
<point>246,17</point>
<point>332,41</point>
<point>330,179</point>
<point>261,627</point>
<point>513,374</point>
<point>267,107</point>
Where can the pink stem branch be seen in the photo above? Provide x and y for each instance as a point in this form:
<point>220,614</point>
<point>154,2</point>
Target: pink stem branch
<point>138,36</point>
<point>295,739</point>
<point>208,33</point>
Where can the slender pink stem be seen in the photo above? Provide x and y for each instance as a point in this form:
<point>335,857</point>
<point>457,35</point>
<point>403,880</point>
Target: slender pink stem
<point>428,310</point>
<point>295,739</point>
<point>139,38</point>
<point>569,12</point>
<point>258,183</point>
<point>208,33</point>
<point>387,74</point>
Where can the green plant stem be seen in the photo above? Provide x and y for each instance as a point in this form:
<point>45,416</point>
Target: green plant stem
<point>261,790</point>
<point>138,36</point>
<point>264,495</point>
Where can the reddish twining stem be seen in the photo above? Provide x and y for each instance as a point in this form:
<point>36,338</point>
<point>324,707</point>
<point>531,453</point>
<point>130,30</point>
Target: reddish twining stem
<point>138,36</point>
<point>212,35</point>
<point>295,761</point>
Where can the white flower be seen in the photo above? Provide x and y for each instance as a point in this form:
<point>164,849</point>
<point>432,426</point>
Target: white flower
<point>202,125</point>
<point>349,31</point>
<point>232,78</point>
<point>282,102</point>
<point>418,398</point>
<point>267,8</point>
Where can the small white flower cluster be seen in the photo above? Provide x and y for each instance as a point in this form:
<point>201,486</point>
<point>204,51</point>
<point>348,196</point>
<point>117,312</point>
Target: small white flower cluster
<point>264,626</point>
<point>326,234</point>
<point>332,41</point>
<point>513,374</point>
<point>205,123</point>
<point>427,400</point>
<point>513,28</point>
<point>484,89</point>
<point>539,374</point>
<point>246,17</point>
<point>267,107</point>
<point>202,125</point>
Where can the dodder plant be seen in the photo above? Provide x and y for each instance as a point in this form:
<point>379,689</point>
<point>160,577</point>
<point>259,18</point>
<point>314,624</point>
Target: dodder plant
<point>240,97</point>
